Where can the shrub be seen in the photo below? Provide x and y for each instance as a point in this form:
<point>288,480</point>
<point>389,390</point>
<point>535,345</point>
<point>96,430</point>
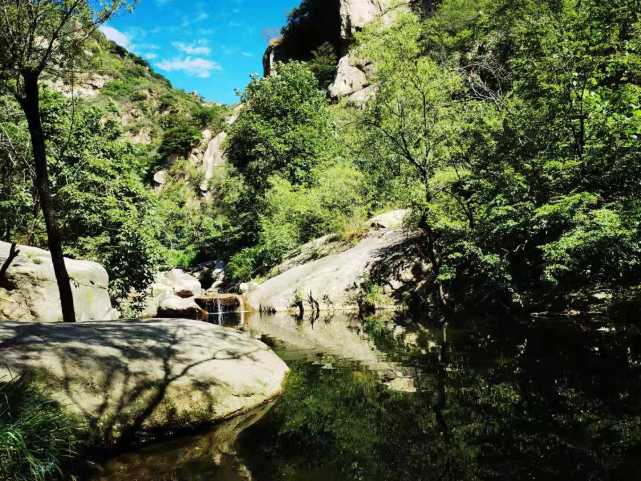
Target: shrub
<point>179,140</point>
<point>36,438</point>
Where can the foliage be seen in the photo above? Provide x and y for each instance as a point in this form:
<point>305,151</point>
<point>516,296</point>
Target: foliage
<point>179,139</point>
<point>323,64</point>
<point>292,215</point>
<point>284,129</point>
<point>36,438</point>
<point>288,184</point>
<point>508,136</point>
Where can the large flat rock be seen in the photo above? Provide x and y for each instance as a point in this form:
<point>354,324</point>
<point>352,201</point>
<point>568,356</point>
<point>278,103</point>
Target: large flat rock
<point>31,293</point>
<point>124,377</point>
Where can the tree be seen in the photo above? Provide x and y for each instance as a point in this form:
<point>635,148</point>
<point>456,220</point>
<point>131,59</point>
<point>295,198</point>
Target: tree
<point>415,121</point>
<point>285,128</point>
<point>43,37</point>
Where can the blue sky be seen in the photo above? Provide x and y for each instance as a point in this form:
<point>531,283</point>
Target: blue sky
<point>207,46</point>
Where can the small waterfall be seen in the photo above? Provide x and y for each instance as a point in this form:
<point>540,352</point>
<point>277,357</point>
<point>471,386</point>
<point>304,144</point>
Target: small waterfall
<point>219,310</point>
<point>222,308</point>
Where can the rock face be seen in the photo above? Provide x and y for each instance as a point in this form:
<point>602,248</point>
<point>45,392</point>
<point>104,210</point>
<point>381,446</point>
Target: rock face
<point>353,75</point>
<point>332,281</point>
<point>349,78</point>
<point>356,14</point>
<point>30,292</point>
<point>269,58</point>
<point>126,377</point>
<point>214,158</point>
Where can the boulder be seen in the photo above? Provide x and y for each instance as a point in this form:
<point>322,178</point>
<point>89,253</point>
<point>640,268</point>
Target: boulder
<point>179,283</point>
<point>127,377</point>
<point>389,220</point>
<point>169,286</point>
<point>178,307</point>
<point>211,275</point>
<point>30,291</point>
<point>350,78</point>
<point>359,99</point>
<point>160,177</point>
<point>331,282</point>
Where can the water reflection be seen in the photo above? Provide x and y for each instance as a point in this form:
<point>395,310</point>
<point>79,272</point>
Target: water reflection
<point>489,400</point>
<point>208,456</point>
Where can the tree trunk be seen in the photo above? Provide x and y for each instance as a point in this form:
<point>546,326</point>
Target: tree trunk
<point>31,106</point>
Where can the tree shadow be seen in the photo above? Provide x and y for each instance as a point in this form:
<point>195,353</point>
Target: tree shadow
<point>401,271</point>
<point>125,379</point>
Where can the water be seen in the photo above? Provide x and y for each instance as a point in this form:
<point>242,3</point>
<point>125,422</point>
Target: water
<point>382,400</point>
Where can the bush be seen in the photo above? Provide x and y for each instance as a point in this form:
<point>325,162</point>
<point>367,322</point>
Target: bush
<point>179,140</point>
<point>210,116</point>
<point>36,438</point>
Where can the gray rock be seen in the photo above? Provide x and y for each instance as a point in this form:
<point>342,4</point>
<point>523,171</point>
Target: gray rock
<point>214,158</point>
<point>389,220</point>
<point>160,177</point>
<point>168,285</point>
<point>211,275</point>
<point>178,307</point>
<point>247,287</point>
<point>31,291</point>
<point>359,99</point>
<point>333,280</point>
<point>356,14</point>
<point>180,282</point>
<point>270,56</point>
<point>350,78</point>
<point>354,76</point>
<point>125,377</point>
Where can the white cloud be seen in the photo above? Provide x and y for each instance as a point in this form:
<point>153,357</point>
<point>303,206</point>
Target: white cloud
<point>199,48</point>
<point>195,67</point>
<point>116,36</point>
<point>150,55</point>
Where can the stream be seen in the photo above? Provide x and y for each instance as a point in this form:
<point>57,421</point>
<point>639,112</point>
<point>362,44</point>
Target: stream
<point>386,399</point>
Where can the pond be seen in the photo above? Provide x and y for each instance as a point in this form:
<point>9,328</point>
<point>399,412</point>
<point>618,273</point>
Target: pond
<point>386,399</point>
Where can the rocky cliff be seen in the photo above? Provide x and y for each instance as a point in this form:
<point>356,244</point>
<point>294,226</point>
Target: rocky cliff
<point>353,77</point>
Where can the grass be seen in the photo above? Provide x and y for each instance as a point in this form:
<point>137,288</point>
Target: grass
<point>37,439</point>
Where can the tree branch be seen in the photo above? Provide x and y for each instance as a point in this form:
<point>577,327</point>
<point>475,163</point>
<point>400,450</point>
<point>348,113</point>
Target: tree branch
<point>13,253</point>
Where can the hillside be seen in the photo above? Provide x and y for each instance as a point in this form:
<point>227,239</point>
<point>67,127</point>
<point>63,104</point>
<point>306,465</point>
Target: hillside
<point>508,131</point>
<point>113,124</point>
